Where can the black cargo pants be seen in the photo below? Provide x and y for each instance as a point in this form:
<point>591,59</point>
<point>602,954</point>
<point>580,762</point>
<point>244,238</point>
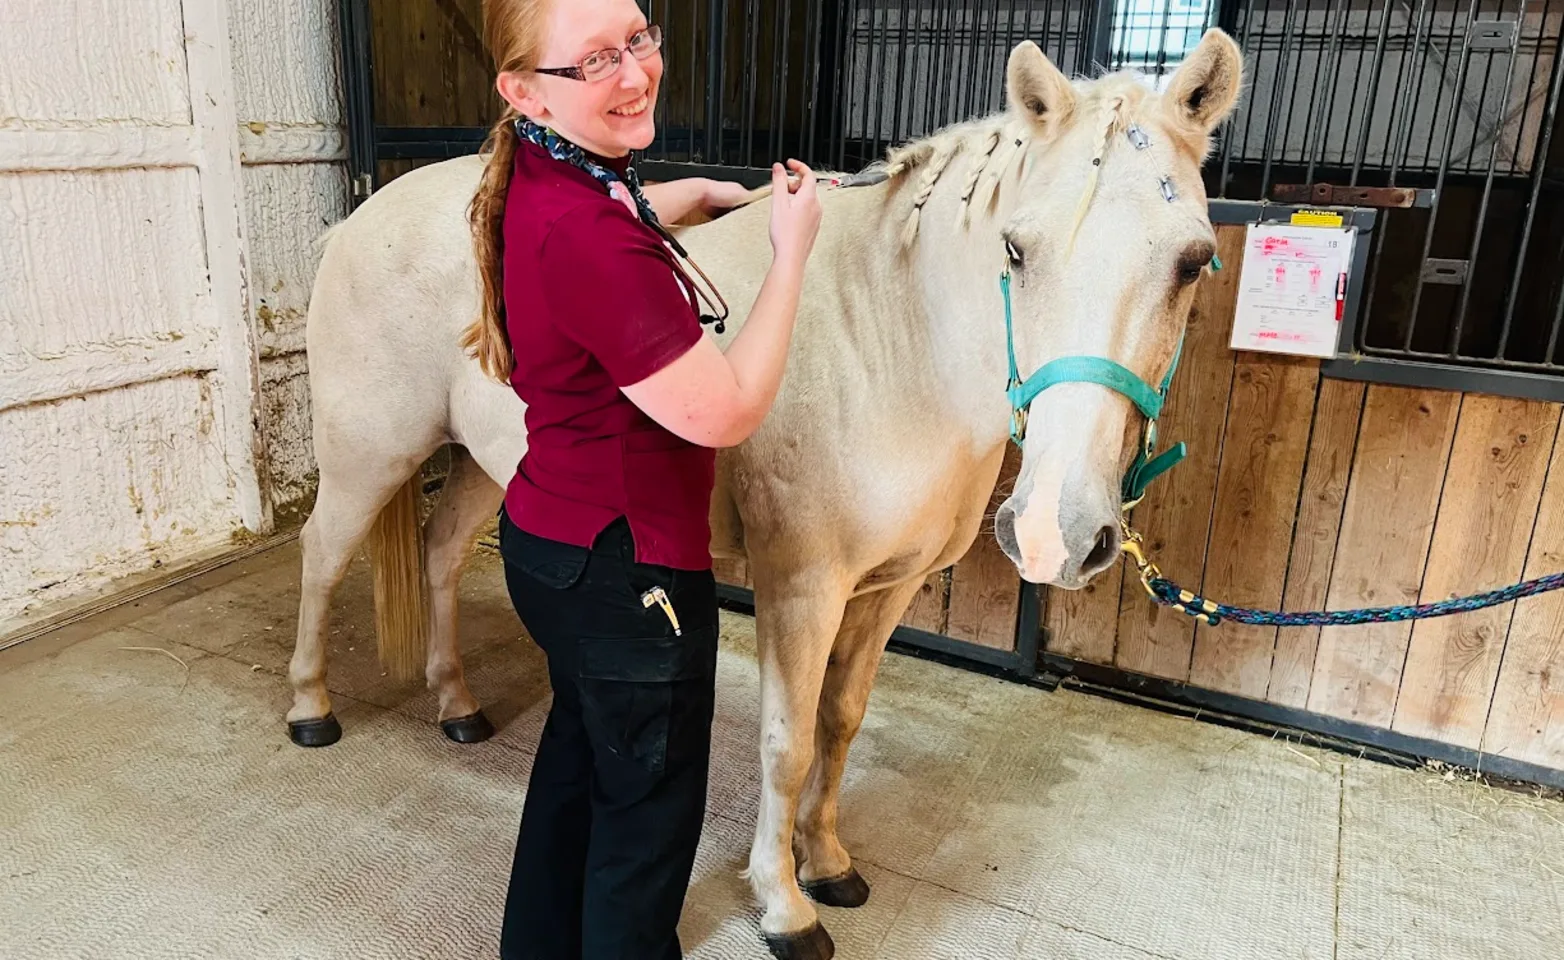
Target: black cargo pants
<point>618,790</point>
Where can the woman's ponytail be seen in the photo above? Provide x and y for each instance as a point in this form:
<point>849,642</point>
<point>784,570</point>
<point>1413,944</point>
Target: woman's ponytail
<point>486,339</point>
<point>513,33</point>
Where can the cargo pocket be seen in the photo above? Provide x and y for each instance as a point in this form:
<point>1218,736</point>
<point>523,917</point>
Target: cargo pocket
<point>641,696</point>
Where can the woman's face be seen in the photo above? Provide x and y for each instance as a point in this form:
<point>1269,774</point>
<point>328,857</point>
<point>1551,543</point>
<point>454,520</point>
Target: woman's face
<point>611,116</point>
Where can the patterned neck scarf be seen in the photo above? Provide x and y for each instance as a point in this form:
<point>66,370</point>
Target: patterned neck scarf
<point>627,190</point>
<point>563,150</point>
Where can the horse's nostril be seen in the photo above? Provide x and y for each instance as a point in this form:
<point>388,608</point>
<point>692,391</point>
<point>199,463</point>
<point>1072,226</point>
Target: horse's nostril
<point>1103,552</point>
<point>1005,530</point>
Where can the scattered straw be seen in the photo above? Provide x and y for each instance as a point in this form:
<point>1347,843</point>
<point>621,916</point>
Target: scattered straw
<point>170,655</point>
<point>1302,754</point>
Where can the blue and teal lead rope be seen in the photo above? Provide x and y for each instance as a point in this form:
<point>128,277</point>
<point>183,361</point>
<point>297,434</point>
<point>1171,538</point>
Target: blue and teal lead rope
<point>1169,594</point>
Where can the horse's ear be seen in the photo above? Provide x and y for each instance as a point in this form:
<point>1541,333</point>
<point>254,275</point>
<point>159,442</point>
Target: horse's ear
<point>1205,88</point>
<point>1036,90</point>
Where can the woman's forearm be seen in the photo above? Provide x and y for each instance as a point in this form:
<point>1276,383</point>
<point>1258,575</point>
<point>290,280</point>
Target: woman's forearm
<point>758,353</point>
<point>674,199</point>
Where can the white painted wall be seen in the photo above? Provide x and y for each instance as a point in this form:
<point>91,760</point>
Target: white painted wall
<point>165,166</point>
<point>288,88</point>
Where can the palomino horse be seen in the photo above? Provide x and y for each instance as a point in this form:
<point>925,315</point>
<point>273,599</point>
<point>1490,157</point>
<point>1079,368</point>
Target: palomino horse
<point>874,468</point>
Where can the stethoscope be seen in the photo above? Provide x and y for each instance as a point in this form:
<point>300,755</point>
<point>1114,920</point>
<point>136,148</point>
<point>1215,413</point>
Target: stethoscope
<point>713,301</point>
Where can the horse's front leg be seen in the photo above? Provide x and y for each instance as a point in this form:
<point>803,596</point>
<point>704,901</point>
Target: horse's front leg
<point>825,869</point>
<point>468,498</point>
<point>796,621</point>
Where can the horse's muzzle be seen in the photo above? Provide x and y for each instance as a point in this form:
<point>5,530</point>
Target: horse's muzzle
<point>1068,556</point>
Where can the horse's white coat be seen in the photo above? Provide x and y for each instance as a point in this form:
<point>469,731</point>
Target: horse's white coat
<point>877,462</point>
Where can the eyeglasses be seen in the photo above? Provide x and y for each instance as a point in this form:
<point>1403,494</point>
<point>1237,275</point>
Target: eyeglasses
<point>602,64</point>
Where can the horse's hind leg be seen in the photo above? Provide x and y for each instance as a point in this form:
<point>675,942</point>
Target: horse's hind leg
<point>346,505</point>
<point>824,867</point>
<point>467,500</point>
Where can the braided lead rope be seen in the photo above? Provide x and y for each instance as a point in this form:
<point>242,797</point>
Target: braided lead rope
<point>1169,594</point>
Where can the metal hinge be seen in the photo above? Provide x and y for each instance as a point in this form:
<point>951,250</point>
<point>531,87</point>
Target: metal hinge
<point>1446,272</point>
<point>1335,195</point>
<point>1491,35</point>
<point>363,186</point>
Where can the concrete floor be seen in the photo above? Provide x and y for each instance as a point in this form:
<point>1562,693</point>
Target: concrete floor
<point>152,808</point>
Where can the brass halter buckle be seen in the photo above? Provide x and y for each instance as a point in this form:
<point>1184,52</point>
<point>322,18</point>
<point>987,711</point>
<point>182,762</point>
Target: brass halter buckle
<point>1017,417</point>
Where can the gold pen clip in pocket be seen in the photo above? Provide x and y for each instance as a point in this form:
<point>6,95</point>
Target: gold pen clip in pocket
<point>657,596</point>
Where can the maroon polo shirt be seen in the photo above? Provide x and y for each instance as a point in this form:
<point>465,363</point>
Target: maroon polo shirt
<point>592,304</point>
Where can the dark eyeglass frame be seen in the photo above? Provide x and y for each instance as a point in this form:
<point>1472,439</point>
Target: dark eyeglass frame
<point>615,55</point>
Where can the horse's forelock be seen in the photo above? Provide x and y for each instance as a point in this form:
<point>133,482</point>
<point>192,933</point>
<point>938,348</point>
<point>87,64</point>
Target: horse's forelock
<point>1109,103</point>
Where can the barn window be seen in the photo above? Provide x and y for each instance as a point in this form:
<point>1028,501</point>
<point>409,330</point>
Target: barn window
<point>1155,35</point>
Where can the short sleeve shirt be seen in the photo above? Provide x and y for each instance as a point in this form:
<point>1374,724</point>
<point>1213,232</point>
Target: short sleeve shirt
<point>593,304</point>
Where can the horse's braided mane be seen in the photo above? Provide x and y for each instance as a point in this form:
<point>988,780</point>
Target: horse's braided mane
<point>995,141</point>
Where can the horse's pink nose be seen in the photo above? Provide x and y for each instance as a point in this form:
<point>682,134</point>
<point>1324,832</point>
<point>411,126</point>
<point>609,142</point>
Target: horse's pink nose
<point>1090,547</point>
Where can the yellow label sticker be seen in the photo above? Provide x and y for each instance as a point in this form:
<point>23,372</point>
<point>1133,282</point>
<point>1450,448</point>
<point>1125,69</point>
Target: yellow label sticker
<point>1316,218</point>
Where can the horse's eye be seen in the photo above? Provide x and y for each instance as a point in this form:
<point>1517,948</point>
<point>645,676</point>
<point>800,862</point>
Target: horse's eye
<point>1188,273</point>
<point>1014,253</point>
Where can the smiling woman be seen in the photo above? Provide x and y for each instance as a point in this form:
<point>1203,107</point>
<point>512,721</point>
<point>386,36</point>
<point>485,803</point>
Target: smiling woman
<point>595,323</point>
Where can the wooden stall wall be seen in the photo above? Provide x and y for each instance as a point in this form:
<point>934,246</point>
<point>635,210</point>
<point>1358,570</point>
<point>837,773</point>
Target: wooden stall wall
<point>1301,493</point>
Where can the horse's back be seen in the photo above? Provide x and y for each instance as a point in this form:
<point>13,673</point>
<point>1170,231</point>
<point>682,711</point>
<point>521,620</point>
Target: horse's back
<point>405,250</point>
<point>397,283</point>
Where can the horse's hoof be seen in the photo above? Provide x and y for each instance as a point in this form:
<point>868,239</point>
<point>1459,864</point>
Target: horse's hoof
<point>315,733</point>
<point>848,890</point>
<point>812,944</point>
<point>474,728</point>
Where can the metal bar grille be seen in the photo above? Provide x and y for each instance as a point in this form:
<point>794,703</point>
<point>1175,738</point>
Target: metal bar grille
<point>1453,103</point>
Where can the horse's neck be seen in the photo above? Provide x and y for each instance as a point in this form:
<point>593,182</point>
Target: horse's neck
<point>955,269</point>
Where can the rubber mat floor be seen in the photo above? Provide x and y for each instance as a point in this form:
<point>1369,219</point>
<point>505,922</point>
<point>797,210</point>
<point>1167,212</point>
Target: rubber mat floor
<point>151,808</point>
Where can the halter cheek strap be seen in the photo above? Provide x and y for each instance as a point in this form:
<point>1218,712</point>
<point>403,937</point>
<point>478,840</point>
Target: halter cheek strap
<point>1104,372</point>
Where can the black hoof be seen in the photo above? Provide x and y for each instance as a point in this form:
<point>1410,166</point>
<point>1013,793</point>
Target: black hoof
<point>315,733</point>
<point>848,890</point>
<point>470,729</point>
<point>812,944</point>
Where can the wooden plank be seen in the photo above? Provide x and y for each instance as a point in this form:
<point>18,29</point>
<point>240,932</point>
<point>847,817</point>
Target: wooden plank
<point>1527,719</point>
<point>1263,456</point>
<point>1335,437</point>
<point>1175,517</point>
<point>928,608</point>
<point>985,590</point>
<point>430,65</point>
<point>1486,516</point>
<point>1403,447</point>
<point>734,573</point>
<point>1084,623</point>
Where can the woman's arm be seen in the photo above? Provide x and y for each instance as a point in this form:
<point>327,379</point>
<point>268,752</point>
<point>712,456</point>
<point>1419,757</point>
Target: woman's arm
<point>716,399</point>
<point>674,199</point>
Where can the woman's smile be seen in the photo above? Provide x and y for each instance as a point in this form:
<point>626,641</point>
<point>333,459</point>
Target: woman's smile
<point>634,108</point>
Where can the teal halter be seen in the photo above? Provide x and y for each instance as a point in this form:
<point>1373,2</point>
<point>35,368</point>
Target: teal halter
<point>1104,372</point>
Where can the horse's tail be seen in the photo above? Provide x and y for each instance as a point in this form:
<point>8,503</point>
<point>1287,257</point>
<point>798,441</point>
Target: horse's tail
<point>396,554</point>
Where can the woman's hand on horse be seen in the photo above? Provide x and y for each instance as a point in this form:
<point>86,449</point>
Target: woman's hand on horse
<point>716,398</point>
<point>724,195</point>
<point>795,213</point>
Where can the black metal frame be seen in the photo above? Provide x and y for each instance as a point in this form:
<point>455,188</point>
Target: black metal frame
<point>358,89</point>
